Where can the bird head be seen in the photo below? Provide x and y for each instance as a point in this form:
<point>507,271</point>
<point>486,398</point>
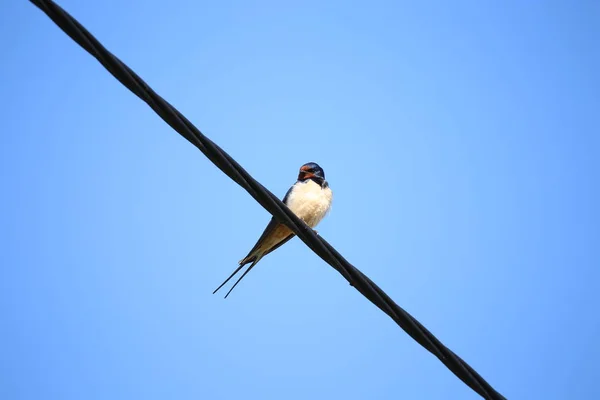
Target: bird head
<point>312,171</point>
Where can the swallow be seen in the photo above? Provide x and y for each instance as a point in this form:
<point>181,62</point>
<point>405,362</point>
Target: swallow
<point>309,198</point>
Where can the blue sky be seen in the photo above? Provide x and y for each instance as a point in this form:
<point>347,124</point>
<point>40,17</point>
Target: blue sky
<point>461,142</point>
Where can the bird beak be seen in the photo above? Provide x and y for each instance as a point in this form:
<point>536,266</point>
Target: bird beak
<point>305,175</point>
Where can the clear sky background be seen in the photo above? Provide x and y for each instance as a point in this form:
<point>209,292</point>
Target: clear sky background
<point>461,140</point>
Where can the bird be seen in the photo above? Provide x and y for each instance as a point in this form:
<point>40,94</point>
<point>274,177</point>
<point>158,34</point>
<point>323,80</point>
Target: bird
<point>309,199</point>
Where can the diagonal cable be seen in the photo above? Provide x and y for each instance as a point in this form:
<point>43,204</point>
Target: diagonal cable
<point>265,198</point>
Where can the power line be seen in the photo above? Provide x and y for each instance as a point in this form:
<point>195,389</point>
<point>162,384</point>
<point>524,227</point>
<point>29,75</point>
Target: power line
<point>266,199</point>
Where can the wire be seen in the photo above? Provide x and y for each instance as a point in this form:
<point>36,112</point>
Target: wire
<point>265,198</point>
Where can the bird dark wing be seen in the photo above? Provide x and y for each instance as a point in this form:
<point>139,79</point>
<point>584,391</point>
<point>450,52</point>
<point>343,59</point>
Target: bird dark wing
<point>253,257</point>
<point>278,245</point>
<point>287,194</point>
<point>273,224</point>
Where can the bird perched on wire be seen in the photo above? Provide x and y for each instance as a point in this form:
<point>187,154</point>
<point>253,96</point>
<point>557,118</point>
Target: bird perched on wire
<point>309,198</point>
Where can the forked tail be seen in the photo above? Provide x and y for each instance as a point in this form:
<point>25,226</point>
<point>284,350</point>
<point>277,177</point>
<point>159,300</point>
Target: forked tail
<point>255,259</point>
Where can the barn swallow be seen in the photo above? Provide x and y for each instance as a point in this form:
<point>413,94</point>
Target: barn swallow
<point>309,198</point>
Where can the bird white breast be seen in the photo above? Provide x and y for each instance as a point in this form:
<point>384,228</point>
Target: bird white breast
<point>310,202</point>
